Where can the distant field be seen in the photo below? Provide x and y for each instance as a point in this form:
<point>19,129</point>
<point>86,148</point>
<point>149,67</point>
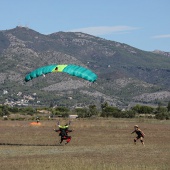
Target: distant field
<point>97,144</point>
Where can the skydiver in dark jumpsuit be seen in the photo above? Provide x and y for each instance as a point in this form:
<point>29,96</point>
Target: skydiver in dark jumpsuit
<point>140,134</point>
<point>63,133</point>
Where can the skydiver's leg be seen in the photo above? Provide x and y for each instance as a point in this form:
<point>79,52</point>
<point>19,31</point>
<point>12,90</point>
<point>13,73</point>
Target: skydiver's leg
<point>141,139</point>
<point>68,139</point>
<point>61,140</point>
<point>136,140</point>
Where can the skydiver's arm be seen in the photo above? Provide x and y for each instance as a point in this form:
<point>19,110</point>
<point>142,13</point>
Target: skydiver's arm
<point>69,130</point>
<point>56,130</point>
<point>133,132</point>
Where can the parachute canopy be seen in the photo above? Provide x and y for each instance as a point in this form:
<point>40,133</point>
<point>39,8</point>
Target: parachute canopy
<point>73,70</point>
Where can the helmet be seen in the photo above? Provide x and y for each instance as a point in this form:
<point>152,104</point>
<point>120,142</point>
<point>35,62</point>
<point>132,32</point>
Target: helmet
<point>136,126</point>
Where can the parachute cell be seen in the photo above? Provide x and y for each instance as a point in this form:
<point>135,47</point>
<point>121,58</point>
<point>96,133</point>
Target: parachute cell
<point>73,70</point>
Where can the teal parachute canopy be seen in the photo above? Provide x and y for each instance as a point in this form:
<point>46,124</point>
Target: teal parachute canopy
<point>71,69</point>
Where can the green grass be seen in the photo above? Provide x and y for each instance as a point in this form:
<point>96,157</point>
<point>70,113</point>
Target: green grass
<point>98,144</point>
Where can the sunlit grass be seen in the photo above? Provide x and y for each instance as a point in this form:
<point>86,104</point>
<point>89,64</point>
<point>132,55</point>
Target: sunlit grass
<point>98,144</point>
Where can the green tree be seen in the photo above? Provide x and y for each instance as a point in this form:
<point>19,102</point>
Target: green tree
<point>1,112</point>
<point>5,110</point>
<point>104,105</point>
<point>127,114</point>
<point>110,111</point>
<point>168,107</point>
<point>64,111</point>
<point>136,108</point>
<point>81,112</point>
<point>161,109</point>
<point>163,115</point>
<point>143,109</point>
<point>92,110</point>
<point>14,109</point>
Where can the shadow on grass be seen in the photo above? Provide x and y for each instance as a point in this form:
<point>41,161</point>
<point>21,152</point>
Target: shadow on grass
<point>21,144</point>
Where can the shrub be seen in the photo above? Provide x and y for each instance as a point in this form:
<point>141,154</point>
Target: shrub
<point>163,115</point>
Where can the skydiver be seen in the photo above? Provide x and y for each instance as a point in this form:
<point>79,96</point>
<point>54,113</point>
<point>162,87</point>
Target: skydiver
<point>37,119</point>
<point>63,133</point>
<point>140,134</point>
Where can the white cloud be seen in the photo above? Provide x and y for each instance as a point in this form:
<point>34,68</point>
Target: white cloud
<point>103,30</point>
<point>162,36</point>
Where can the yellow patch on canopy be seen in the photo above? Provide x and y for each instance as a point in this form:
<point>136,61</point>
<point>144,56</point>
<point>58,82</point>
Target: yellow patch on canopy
<point>59,68</point>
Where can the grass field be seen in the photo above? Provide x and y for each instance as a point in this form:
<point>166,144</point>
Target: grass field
<point>97,144</point>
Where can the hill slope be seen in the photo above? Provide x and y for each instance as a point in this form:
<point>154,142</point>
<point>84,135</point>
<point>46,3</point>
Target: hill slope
<point>124,73</point>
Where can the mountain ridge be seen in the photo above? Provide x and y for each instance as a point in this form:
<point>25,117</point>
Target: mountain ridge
<point>124,72</point>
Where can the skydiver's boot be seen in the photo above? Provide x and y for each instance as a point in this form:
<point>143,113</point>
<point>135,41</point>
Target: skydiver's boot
<point>135,141</point>
<point>142,142</point>
<point>61,141</point>
<point>68,139</point>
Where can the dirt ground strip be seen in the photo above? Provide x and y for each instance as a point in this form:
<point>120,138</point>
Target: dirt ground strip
<point>96,144</point>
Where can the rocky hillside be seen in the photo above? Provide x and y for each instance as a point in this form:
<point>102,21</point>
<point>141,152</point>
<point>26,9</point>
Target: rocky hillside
<point>125,74</point>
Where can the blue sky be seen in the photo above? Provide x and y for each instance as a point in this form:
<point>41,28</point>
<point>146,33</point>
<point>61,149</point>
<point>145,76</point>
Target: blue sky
<point>144,24</point>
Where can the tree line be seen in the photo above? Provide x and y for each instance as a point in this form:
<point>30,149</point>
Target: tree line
<point>160,112</point>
